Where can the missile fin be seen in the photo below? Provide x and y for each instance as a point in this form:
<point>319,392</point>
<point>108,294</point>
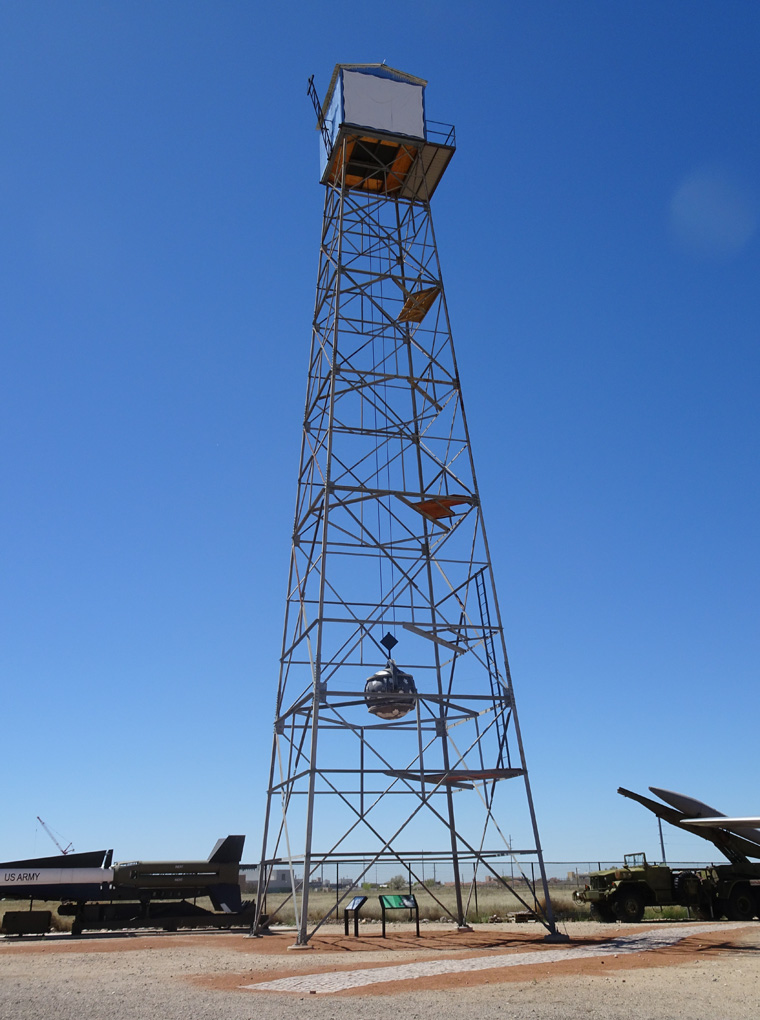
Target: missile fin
<point>228,850</point>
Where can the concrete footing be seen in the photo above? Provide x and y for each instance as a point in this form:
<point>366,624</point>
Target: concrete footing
<point>556,936</point>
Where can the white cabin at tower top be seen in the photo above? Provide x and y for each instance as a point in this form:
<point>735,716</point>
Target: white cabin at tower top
<point>375,135</point>
<point>376,97</point>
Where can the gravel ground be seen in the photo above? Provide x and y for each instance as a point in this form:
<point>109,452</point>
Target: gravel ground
<point>191,977</point>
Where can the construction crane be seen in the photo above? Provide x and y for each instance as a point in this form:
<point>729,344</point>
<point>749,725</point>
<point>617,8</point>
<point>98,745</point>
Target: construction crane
<point>64,850</point>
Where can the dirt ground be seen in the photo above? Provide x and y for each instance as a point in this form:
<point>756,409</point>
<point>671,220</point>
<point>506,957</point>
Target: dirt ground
<point>661,970</point>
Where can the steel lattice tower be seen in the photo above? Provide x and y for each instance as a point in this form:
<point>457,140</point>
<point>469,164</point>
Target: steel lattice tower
<point>389,550</point>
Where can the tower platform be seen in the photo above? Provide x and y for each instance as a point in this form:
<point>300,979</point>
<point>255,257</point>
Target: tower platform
<point>388,164</point>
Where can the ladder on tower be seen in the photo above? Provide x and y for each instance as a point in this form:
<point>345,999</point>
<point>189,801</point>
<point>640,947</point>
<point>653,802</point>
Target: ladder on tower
<point>312,94</point>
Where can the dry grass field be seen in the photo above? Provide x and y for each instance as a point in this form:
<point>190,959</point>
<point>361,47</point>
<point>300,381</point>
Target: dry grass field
<point>488,902</point>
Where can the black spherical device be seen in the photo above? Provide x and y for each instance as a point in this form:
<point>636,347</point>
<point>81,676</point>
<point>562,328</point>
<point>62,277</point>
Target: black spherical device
<point>390,692</point>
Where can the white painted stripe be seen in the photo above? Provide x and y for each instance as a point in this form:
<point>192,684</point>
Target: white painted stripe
<point>339,981</point>
<point>54,876</point>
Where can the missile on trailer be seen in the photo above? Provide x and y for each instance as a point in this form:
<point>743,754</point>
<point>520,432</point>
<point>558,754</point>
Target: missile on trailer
<point>737,848</point>
<point>696,812</point>
<point>89,877</point>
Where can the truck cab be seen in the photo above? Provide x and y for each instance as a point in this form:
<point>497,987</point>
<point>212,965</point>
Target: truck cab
<point>621,894</point>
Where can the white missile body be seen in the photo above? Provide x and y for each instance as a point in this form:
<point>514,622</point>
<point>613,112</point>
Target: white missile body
<point>13,878</point>
<point>722,821</point>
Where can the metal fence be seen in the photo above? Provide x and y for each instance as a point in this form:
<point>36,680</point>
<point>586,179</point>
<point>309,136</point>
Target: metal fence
<point>514,888</point>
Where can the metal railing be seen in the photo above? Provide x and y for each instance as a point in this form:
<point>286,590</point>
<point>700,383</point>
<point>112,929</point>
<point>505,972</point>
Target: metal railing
<point>440,133</point>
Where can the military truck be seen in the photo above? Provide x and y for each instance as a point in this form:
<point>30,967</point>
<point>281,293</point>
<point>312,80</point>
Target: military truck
<point>622,894</point>
<point>717,890</point>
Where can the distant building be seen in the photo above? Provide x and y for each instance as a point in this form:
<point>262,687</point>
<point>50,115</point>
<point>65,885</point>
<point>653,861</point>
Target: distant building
<point>279,882</point>
<point>577,876</point>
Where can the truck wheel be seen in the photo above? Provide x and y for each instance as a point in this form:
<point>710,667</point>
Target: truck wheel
<point>602,912</point>
<point>686,888</point>
<point>629,905</point>
<point>740,905</point>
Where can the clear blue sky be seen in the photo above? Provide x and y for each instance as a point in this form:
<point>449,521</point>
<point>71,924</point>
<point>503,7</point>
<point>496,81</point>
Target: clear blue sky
<point>159,222</point>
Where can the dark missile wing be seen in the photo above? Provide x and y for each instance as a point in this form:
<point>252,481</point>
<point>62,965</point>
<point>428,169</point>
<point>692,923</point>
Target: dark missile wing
<point>91,859</point>
<point>226,897</point>
<point>228,850</point>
